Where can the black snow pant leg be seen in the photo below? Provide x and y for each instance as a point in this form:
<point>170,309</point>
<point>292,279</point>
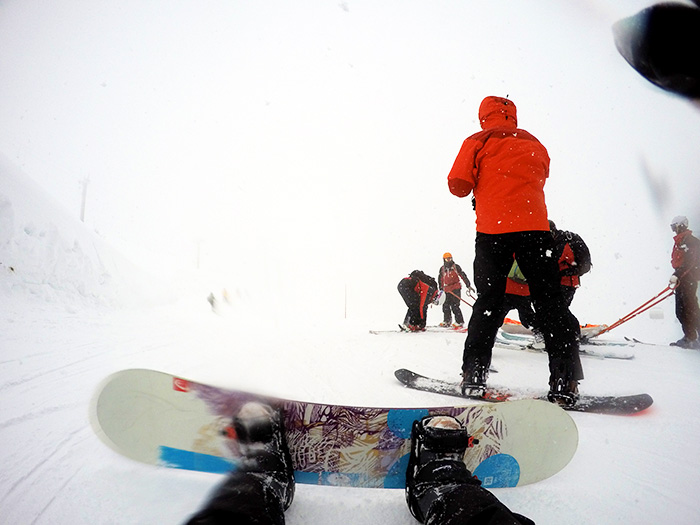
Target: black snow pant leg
<point>568,292</point>
<point>492,262</point>
<point>447,310</point>
<point>534,252</point>
<point>470,504</point>
<point>412,300</point>
<point>243,498</point>
<point>687,309</point>
<point>452,306</point>
<point>523,305</point>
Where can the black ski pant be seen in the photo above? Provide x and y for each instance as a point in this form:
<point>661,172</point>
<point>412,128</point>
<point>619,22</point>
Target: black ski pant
<point>534,251</point>
<point>413,317</point>
<point>687,309</point>
<point>245,499</point>
<point>451,306</point>
<point>523,304</point>
<point>449,495</point>
<point>568,293</point>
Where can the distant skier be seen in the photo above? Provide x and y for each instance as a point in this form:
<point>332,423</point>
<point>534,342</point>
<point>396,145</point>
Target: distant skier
<point>449,282</point>
<point>574,260</point>
<point>506,168</point>
<point>685,259</point>
<point>211,299</point>
<point>440,490</point>
<point>418,290</point>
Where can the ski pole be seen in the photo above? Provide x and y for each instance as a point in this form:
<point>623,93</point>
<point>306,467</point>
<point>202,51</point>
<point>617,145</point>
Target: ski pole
<point>458,297</point>
<point>668,291</point>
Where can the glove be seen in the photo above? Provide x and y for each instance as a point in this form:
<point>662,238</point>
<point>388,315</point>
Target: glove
<point>673,282</point>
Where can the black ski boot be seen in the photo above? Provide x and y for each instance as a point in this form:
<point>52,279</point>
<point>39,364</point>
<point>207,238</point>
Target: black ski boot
<point>261,486</point>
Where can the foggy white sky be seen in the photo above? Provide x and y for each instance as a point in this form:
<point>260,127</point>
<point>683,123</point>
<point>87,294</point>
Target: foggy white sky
<point>310,141</point>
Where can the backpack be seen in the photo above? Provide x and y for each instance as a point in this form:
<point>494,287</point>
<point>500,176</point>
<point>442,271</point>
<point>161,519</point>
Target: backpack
<point>582,254</point>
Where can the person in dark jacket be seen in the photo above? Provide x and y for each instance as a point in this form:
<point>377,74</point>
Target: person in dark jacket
<point>449,277</point>
<point>685,260</point>
<point>440,490</point>
<point>506,168</point>
<point>574,260</point>
<point>418,291</point>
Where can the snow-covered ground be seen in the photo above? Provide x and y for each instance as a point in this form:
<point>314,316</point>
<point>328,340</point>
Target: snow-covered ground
<point>73,311</point>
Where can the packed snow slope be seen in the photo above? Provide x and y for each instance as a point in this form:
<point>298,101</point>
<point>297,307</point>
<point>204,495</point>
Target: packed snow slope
<point>73,312</point>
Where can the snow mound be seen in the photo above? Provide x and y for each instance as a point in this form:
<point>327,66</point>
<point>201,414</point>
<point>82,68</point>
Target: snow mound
<point>48,256</point>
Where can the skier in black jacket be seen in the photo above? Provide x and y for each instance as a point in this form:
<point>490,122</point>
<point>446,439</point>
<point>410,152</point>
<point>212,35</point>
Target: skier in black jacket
<point>574,260</point>
<point>418,291</point>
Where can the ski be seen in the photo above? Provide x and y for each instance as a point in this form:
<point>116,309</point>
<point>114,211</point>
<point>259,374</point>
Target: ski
<point>587,347</point>
<point>432,329</point>
<point>614,405</point>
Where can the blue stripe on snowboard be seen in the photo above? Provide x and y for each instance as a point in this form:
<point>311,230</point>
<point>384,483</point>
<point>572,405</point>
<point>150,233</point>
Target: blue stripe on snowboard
<point>185,459</point>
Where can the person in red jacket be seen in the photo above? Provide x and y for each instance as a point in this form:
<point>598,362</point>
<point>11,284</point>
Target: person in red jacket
<point>574,260</point>
<point>517,297</point>
<point>505,168</point>
<point>685,259</point>
<point>449,282</point>
<point>418,291</point>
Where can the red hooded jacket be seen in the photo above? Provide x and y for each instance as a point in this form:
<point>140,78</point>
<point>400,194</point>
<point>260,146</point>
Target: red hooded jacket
<point>506,168</point>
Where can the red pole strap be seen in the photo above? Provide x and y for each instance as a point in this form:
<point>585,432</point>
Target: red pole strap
<point>668,291</point>
<point>458,297</point>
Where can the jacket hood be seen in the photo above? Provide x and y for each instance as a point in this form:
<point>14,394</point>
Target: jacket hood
<point>497,112</point>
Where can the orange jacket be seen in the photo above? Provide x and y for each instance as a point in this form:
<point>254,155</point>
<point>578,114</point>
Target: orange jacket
<point>506,168</point>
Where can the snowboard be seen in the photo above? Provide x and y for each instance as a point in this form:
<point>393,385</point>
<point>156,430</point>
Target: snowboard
<point>616,405</point>
<point>161,419</point>
<point>587,348</point>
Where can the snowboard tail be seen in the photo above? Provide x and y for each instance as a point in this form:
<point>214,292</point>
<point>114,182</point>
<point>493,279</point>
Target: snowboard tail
<point>161,419</point>
<point>615,405</point>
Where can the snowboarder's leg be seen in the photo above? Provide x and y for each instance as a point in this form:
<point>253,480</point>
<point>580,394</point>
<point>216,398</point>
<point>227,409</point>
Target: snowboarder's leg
<point>262,486</point>
<point>560,328</point>
<point>440,490</point>
<point>523,304</point>
<point>492,261</point>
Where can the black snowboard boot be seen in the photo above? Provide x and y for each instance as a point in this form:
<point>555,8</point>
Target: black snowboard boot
<point>261,487</point>
<point>563,382</point>
<point>260,431</point>
<point>474,382</point>
<point>438,445</point>
<point>440,490</point>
